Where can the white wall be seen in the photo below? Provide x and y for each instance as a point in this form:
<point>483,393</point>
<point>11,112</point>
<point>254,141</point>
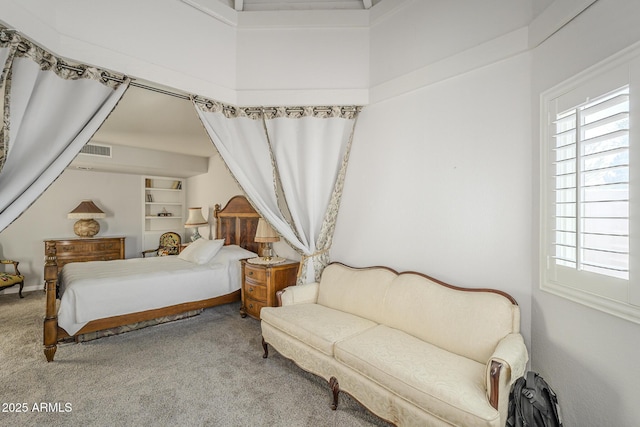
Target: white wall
<point>326,65</point>
<point>590,358</point>
<point>446,171</point>
<point>445,166</point>
<point>118,195</point>
<point>214,187</point>
<point>422,33</point>
<point>171,43</point>
<point>162,41</point>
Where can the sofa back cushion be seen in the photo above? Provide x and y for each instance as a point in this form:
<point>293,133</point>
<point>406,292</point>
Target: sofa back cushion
<point>468,323</point>
<point>360,291</point>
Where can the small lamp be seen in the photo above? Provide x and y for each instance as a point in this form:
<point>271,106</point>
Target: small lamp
<point>195,220</point>
<point>85,213</point>
<point>267,235</point>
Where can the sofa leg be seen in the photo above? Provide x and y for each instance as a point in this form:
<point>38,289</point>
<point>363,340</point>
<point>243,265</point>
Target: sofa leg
<point>335,388</point>
<point>266,349</point>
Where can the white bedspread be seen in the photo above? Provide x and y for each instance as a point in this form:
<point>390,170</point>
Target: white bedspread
<point>98,289</point>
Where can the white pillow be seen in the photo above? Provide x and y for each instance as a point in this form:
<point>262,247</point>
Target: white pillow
<point>232,253</point>
<point>201,251</point>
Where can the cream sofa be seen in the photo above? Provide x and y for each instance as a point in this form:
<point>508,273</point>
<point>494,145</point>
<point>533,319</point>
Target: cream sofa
<point>413,350</point>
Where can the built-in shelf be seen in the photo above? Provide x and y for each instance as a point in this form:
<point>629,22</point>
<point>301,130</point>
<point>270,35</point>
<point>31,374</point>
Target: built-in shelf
<point>163,207</point>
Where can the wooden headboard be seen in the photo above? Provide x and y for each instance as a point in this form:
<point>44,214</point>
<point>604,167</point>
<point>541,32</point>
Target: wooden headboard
<point>236,223</point>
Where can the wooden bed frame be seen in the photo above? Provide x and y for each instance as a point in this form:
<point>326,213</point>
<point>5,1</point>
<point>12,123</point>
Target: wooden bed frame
<point>236,223</point>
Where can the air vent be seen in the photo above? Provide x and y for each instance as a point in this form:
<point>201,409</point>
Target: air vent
<point>96,150</point>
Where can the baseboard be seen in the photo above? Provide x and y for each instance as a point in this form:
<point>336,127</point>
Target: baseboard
<point>16,289</point>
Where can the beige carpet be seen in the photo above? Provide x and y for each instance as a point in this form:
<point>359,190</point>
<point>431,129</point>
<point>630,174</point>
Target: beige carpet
<point>203,371</point>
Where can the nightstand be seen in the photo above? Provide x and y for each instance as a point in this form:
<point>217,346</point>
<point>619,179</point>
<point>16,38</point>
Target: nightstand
<point>261,282</point>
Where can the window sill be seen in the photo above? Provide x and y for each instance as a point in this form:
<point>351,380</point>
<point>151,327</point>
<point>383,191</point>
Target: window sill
<point>615,308</point>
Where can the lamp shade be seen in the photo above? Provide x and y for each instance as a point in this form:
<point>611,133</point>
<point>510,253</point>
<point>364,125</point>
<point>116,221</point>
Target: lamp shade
<point>264,233</point>
<point>86,210</point>
<point>195,218</point>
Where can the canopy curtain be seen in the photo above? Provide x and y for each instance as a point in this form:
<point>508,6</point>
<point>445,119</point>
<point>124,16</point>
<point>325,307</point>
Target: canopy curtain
<point>51,108</point>
<point>291,163</point>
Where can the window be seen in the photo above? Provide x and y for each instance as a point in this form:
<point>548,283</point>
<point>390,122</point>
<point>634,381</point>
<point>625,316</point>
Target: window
<point>590,187</point>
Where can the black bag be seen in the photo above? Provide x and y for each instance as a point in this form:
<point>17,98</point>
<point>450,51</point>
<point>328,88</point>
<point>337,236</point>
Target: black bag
<point>533,403</point>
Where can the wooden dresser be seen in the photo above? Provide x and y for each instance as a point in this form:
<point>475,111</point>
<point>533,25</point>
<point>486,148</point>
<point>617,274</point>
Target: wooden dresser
<point>86,249</point>
<point>261,282</point>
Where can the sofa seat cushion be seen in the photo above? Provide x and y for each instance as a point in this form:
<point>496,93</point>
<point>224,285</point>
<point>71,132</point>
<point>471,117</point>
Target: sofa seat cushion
<point>444,384</point>
<point>315,325</point>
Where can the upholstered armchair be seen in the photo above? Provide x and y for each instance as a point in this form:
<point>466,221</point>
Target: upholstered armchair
<point>169,245</point>
<point>7,279</point>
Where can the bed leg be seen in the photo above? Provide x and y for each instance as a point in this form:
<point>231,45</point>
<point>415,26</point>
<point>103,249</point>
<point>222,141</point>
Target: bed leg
<point>265,346</point>
<point>49,352</point>
<point>50,332</point>
<point>50,327</point>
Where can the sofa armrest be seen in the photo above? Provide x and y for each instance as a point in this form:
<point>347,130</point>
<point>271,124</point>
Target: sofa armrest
<point>507,363</point>
<point>300,294</point>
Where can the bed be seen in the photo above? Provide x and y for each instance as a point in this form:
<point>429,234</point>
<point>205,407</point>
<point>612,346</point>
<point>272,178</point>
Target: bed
<point>102,295</point>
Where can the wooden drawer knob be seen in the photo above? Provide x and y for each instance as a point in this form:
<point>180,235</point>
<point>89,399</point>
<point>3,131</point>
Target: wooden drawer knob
<point>250,289</point>
<point>251,273</point>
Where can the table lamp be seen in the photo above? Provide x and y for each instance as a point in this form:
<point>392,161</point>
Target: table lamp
<point>266,235</point>
<point>195,220</point>
<point>86,213</point>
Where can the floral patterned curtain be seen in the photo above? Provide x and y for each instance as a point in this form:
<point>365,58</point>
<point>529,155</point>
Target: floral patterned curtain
<point>51,108</point>
<point>291,163</point>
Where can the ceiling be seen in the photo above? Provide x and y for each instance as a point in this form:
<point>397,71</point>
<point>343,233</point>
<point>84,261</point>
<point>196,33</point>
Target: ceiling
<point>147,119</point>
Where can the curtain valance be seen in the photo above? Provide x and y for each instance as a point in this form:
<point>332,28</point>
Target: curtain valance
<point>258,113</point>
